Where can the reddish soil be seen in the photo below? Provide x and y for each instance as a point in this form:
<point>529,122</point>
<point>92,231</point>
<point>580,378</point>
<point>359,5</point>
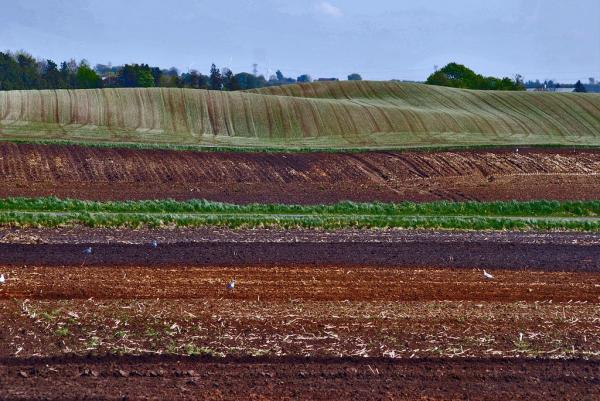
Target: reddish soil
<point>122,174</point>
<point>334,283</point>
<point>350,314</point>
<point>299,379</point>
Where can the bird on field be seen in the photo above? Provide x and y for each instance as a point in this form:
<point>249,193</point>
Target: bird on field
<point>487,275</point>
<point>2,279</point>
<point>88,250</point>
<point>231,284</point>
<point>154,243</point>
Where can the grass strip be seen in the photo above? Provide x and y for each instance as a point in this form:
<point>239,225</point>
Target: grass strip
<point>292,148</point>
<point>535,215</point>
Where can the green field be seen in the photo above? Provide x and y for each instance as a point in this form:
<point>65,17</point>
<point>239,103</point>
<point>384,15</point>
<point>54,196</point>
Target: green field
<point>536,215</point>
<point>336,115</point>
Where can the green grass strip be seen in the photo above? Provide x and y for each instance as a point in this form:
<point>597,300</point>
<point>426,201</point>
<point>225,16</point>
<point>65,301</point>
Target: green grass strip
<point>534,215</point>
<point>291,148</point>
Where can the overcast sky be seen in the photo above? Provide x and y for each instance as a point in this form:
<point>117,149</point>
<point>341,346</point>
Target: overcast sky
<point>381,39</point>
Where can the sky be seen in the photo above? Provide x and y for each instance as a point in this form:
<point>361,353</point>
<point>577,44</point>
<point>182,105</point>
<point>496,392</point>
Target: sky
<point>380,39</point>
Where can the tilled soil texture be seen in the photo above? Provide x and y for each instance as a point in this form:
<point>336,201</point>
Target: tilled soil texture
<point>483,255</point>
<point>284,283</point>
<point>299,379</point>
<point>304,178</point>
<point>296,312</point>
<point>301,330</point>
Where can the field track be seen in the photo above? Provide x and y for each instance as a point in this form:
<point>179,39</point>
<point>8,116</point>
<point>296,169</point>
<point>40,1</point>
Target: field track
<point>122,174</point>
<point>337,115</point>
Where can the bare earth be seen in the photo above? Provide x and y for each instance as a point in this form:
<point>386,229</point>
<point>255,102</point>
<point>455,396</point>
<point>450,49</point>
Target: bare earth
<point>315,315</point>
<point>123,174</point>
<point>308,322</point>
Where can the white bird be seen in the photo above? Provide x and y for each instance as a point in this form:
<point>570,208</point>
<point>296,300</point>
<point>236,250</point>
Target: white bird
<point>487,275</point>
<point>154,243</point>
<point>2,279</point>
<point>88,250</point>
<point>231,284</point>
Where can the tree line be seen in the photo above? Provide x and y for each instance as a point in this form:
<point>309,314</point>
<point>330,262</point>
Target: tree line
<point>22,71</point>
<point>458,76</point>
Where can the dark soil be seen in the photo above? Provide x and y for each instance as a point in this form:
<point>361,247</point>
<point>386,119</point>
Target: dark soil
<point>490,255</point>
<point>161,378</point>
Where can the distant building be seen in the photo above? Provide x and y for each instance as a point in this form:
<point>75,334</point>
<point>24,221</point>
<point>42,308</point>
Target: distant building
<point>563,90</point>
<point>327,79</point>
<point>551,90</point>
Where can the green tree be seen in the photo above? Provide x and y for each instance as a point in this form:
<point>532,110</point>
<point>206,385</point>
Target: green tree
<point>10,77</point>
<point>87,78</point>
<point>230,83</point>
<point>354,77</point>
<point>52,76</point>
<point>28,68</point>
<point>145,78</point>
<point>458,76</point>
<point>215,79</point>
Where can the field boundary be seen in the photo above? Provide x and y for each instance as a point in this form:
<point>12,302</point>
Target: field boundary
<point>293,149</point>
<point>535,215</point>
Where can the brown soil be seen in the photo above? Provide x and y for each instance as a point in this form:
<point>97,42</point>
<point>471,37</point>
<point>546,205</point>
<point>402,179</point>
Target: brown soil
<point>392,317</point>
<point>299,379</point>
<point>122,174</point>
<point>335,283</point>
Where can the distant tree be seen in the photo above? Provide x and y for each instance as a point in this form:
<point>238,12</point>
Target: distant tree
<point>145,78</point>
<point>459,76</point>
<point>22,71</point>
<point>135,76</point>
<point>167,82</point>
<point>127,77</point>
<point>195,80</point>
<point>10,74</point>
<point>354,77</point>
<point>579,88</point>
<point>215,80</point>
<point>438,78</point>
<point>250,81</point>
<point>230,82</point>
<point>52,77</point>
<point>30,76</point>
<point>72,66</point>
<point>304,78</point>
<point>280,79</point>
<point>67,76</point>
<point>87,78</point>
<point>156,75</point>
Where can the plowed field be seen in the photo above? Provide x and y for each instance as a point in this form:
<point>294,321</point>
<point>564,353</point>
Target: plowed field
<point>122,174</point>
<point>308,322</point>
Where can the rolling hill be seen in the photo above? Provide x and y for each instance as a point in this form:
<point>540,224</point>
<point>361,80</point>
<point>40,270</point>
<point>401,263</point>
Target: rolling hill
<point>363,115</point>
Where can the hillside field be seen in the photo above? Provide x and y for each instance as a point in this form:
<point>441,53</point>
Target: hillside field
<point>339,115</point>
